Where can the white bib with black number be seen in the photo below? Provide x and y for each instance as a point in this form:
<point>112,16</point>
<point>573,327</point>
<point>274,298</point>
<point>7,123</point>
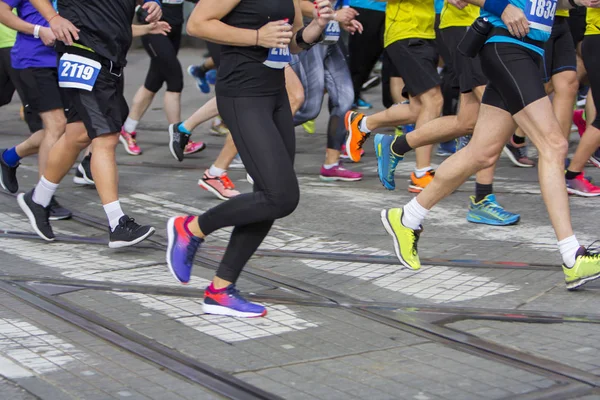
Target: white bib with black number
<point>278,58</point>
<point>77,72</point>
<point>332,33</point>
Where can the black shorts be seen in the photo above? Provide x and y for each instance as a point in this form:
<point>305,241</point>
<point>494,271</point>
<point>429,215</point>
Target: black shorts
<point>42,94</point>
<point>8,78</point>
<point>215,52</point>
<point>514,74</point>
<point>559,50</point>
<point>469,72</point>
<point>415,61</point>
<point>589,51</point>
<point>577,23</point>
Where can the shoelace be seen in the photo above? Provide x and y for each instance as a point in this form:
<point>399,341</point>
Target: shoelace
<point>192,248</point>
<point>522,151</point>
<point>130,225</point>
<point>416,237</point>
<point>496,210</point>
<point>232,291</point>
<point>227,184</point>
<point>132,140</point>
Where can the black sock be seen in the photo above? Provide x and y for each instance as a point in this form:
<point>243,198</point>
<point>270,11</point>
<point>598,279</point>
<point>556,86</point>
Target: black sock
<point>571,175</point>
<point>401,146</point>
<point>518,139</point>
<point>482,190</point>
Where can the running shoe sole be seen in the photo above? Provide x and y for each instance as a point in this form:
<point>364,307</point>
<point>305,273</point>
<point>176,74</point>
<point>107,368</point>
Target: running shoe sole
<point>171,148</point>
<point>491,221</point>
<point>198,150</point>
<point>220,310</point>
<point>575,284</point>
<point>120,244</point>
<point>124,143</point>
<point>583,194</point>
<point>514,160</point>
<point>30,216</point>
<point>595,162</point>
<point>59,218</point>
<point>249,179</point>
<point>80,181</point>
<point>362,107</point>
<point>170,243</point>
<point>84,179</point>
<point>388,228</point>
<point>2,183</point>
<point>415,189</point>
<point>333,179</point>
<point>212,190</point>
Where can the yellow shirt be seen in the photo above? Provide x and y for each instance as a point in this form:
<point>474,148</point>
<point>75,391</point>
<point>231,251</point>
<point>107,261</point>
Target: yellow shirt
<point>452,16</point>
<point>562,13</point>
<point>409,19</point>
<point>593,21</point>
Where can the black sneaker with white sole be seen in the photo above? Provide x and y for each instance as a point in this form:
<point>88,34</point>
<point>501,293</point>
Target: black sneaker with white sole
<point>58,212</point>
<point>128,233</point>
<point>177,141</point>
<point>8,175</point>
<point>39,216</point>
<point>83,175</point>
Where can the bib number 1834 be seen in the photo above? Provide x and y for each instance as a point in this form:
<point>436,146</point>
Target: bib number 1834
<point>540,14</point>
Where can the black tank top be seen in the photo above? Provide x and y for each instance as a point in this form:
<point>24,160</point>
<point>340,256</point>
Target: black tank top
<point>242,72</point>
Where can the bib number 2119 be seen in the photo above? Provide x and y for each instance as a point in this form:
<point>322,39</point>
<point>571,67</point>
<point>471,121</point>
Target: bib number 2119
<point>77,72</point>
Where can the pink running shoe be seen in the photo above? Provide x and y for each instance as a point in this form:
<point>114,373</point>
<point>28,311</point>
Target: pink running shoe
<point>220,186</point>
<point>582,187</point>
<point>339,173</point>
<point>579,121</point>
<point>344,154</point>
<point>194,147</point>
<point>129,142</point>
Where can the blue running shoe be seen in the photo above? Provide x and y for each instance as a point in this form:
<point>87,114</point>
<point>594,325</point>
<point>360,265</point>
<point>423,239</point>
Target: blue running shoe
<point>196,72</point>
<point>462,142</point>
<point>489,212</point>
<point>181,249</point>
<point>386,160</point>
<point>231,303</point>
<point>211,76</point>
<point>362,105</point>
<point>446,149</point>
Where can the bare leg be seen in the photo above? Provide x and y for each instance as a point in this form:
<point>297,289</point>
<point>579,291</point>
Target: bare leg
<point>172,104</point>
<point>565,92</point>
<point>207,111</point>
<point>294,89</point>
<point>104,167</point>
<point>398,114</point>
<point>588,144</point>
<point>431,108</point>
<point>54,127</point>
<point>65,152</point>
<point>30,146</point>
<point>141,101</point>
<point>227,154</point>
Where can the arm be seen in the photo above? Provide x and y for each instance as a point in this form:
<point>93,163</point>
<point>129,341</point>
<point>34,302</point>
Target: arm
<point>155,28</point>
<point>12,21</point>
<point>205,22</point>
<point>321,14</point>
<point>63,29</point>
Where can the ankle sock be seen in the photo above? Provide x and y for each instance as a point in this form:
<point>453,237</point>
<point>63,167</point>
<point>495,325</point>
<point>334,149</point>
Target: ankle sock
<point>330,166</point>
<point>214,171</point>
<point>130,125</point>
<point>413,214</point>
<point>518,139</point>
<point>400,146</point>
<point>212,289</point>
<point>44,191</point>
<point>482,190</point>
<point>186,225</point>
<point>420,172</point>
<point>362,126</point>
<point>113,213</point>
<point>10,157</point>
<point>183,129</point>
<point>568,249</point>
<point>571,175</point>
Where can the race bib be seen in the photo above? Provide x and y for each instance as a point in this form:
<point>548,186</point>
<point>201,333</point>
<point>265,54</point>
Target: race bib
<point>173,1</point>
<point>332,33</point>
<point>278,58</point>
<point>540,14</point>
<point>77,72</point>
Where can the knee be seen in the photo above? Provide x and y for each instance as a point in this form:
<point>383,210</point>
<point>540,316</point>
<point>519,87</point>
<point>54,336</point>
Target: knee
<point>285,201</point>
<point>482,158</point>
<point>106,142</point>
<point>296,99</point>
<point>466,123</point>
<point>433,100</point>
<point>568,85</point>
<point>554,147</point>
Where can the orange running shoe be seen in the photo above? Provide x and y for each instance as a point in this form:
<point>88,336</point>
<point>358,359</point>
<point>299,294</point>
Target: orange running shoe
<point>356,138</point>
<point>418,184</point>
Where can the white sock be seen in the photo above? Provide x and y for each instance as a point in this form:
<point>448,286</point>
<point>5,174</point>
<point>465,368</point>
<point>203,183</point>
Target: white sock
<point>214,171</point>
<point>420,172</point>
<point>130,125</point>
<point>413,214</point>
<point>329,166</point>
<point>44,191</point>
<point>568,248</point>
<point>113,213</point>
<point>363,125</point>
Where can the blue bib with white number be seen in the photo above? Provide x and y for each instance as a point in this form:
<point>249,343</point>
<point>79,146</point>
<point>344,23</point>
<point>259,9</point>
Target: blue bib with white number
<point>540,14</point>
<point>77,72</point>
<point>332,33</point>
<point>278,58</point>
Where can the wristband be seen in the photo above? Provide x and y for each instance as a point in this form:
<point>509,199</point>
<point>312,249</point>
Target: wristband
<point>302,44</point>
<point>36,31</point>
<point>54,16</point>
<point>495,7</point>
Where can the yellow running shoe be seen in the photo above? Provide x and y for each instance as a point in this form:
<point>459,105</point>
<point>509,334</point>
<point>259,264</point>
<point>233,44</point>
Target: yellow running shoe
<point>309,127</point>
<point>405,239</point>
<point>586,269</point>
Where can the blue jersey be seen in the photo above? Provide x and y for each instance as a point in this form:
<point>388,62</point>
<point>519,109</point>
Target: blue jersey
<point>439,5</point>
<point>369,4</point>
<point>539,13</point>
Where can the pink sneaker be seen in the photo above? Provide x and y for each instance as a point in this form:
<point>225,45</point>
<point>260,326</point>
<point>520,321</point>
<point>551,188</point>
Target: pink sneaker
<point>194,147</point>
<point>220,186</point>
<point>579,121</point>
<point>344,154</point>
<point>582,187</point>
<point>129,142</point>
<point>339,173</point>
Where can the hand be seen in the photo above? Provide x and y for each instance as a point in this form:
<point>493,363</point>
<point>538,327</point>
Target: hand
<point>47,36</point>
<point>276,34</point>
<point>154,11</point>
<point>516,22</point>
<point>353,27</point>
<point>64,30</point>
<point>460,4</point>
<point>345,15</point>
<point>159,28</point>
<point>323,12</point>
<point>590,3</point>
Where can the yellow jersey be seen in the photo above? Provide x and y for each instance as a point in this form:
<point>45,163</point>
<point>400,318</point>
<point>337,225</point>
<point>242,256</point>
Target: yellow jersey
<point>452,16</point>
<point>409,19</point>
<point>562,13</point>
<point>593,21</point>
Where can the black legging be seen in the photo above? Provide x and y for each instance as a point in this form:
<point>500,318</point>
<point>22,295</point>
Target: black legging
<point>263,131</point>
<point>591,60</point>
<point>8,78</point>
<point>366,48</point>
<point>164,65</point>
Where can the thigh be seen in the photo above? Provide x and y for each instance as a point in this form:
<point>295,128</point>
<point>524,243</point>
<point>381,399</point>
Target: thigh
<point>468,70</point>
<point>589,49</point>
<point>416,62</point>
<point>564,56</point>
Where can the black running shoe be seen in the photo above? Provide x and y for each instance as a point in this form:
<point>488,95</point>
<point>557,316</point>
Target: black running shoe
<point>58,212</point>
<point>128,233</point>
<point>177,141</point>
<point>83,175</point>
<point>8,175</point>
<point>38,215</point>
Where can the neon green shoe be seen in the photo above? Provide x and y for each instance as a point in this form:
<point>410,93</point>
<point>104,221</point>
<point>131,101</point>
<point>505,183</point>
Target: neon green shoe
<point>586,269</point>
<point>309,127</point>
<point>405,239</point>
